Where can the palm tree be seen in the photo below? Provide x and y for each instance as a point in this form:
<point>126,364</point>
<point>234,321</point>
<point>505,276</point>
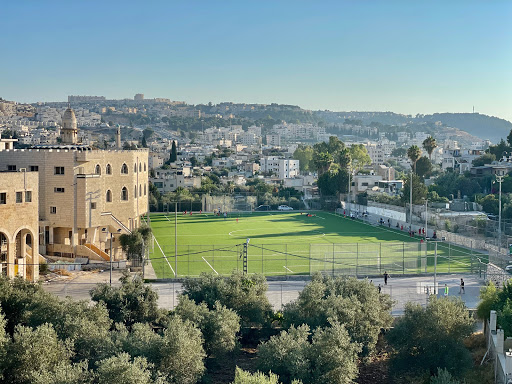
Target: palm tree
<point>429,144</point>
<point>414,153</point>
<point>322,161</point>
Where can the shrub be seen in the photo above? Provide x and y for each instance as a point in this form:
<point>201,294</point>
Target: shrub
<point>426,339</point>
<point>330,358</point>
<point>131,303</point>
<point>219,326</point>
<point>354,303</point>
<point>241,293</point>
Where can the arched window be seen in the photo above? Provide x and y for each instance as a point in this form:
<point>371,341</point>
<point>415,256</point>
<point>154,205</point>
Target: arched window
<point>108,170</point>
<point>140,167</point>
<point>97,170</point>
<point>144,167</point>
<point>144,189</point>
<point>135,192</point>
<point>124,194</point>
<point>124,169</point>
<point>140,190</point>
<point>109,196</point>
<point>135,168</point>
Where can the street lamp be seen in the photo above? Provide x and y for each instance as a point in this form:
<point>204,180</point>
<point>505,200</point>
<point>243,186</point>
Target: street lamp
<point>500,174</point>
<point>107,233</point>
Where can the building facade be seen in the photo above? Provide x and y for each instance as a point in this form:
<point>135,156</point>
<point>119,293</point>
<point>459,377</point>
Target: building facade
<point>84,195</point>
<point>19,229</point>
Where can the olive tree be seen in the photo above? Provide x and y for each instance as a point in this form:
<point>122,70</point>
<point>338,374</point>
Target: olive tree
<point>132,302</point>
<point>219,325</point>
<point>354,303</point>
<point>244,294</point>
<point>426,339</point>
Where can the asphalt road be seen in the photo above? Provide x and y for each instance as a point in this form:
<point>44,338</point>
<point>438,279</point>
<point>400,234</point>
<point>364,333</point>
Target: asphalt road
<point>401,289</point>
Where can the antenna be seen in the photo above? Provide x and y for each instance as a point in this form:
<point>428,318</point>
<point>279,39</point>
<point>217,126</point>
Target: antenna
<point>473,109</point>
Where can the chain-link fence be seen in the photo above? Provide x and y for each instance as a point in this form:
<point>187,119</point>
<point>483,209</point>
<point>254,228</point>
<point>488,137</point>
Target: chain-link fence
<point>351,259</point>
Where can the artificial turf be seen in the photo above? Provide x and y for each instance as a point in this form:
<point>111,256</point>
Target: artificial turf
<point>291,243</point>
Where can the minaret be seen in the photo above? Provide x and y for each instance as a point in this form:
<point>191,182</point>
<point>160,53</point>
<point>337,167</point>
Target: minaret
<point>118,137</point>
<point>69,131</point>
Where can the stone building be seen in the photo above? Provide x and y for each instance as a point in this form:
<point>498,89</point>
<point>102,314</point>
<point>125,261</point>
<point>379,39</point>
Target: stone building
<point>84,194</point>
<point>19,231</point>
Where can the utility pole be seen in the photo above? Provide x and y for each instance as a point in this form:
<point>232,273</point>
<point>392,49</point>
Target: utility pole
<point>435,268</point>
<point>175,239</point>
<point>426,218</point>
<point>410,204</point>
<point>245,266</point>
<point>500,180</point>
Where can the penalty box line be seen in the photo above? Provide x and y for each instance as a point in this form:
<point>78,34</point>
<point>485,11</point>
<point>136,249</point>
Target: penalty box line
<point>209,265</point>
<point>165,257</point>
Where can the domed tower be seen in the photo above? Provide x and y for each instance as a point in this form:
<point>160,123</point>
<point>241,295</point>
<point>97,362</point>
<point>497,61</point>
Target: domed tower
<point>69,131</point>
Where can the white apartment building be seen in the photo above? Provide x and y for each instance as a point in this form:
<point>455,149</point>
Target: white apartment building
<point>376,153</point>
<point>283,168</point>
<point>274,140</point>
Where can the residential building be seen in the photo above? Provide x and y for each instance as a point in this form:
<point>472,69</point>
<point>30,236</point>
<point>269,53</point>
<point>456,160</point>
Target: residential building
<point>282,168</point>
<point>84,194</point>
<point>19,227</point>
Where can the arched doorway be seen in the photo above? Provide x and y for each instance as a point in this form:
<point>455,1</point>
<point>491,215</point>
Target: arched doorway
<point>25,257</point>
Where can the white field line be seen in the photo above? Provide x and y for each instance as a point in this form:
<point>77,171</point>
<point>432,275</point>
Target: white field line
<point>209,265</point>
<point>165,257</point>
<point>288,269</point>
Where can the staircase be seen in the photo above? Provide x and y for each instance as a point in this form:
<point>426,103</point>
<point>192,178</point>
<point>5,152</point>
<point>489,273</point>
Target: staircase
<point>98,251</point>
<point>117,221</point>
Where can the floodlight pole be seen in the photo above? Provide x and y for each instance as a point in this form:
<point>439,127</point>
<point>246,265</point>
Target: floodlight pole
<point>435,267</point>
<point>410,204</point>
<point>245,266</point>
<point>499,178</point>
<point>426,219</point>
<point>175,239</point>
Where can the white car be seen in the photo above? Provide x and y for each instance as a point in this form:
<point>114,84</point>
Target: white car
<point>284,208</point>
<point>508,268</point>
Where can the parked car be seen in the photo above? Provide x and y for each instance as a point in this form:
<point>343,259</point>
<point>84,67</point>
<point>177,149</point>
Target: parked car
<point>284,208</point>
<point>263,208</point>
<point>508,268</point>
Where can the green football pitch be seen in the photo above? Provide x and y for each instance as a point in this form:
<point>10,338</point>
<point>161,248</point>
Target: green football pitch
<point>291,243</point>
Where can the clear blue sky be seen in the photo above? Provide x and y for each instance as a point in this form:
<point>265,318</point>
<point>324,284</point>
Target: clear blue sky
<point>402,56</point>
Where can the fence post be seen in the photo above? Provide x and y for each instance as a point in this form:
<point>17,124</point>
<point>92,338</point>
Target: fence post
<point>380,258</point>
<point>262,260</point>
<point>403,258</point>
<point>357,257</point>
<point>188,260</point>
<point>286,259</point>
<point>450,256</point>
<point>309,259</point>
<point>332,259</point>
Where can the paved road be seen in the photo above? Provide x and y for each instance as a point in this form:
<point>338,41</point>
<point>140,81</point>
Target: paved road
<point>401,289</point>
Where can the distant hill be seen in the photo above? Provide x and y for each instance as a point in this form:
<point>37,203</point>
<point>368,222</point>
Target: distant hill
<point>476,124</point>
<point>483,126</point>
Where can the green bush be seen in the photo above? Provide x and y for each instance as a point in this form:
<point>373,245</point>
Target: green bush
<point>426,339</point>
<point>354,303</point>
<point>330,357</point>
<point>244,294</point>
<point>219,326</point>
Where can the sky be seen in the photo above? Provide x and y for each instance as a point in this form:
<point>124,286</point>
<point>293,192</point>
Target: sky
<point>401,56</point>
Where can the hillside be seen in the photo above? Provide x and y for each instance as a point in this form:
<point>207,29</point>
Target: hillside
<point>476,124</point>
<point>483,126</point>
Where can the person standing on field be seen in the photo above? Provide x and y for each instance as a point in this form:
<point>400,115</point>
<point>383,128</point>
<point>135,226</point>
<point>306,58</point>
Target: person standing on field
<point>386,278</point>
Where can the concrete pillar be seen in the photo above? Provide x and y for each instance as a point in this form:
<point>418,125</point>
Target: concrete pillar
<point>10,259</point>
<point>51,237</point>
<point>508,364</point>
<point>35,257</point>
<point>500,341</point>
<point>492,321</point>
